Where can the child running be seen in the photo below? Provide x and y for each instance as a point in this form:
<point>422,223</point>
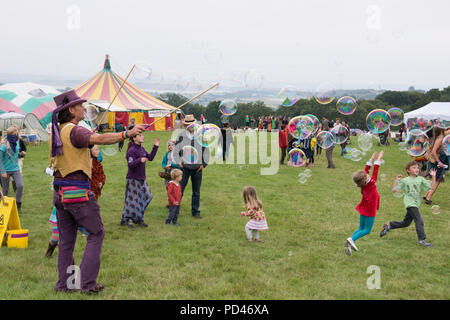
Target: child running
<point>369,204</point>
<point>411,186</point>
<point>174,195</point>
<point>255,212</point>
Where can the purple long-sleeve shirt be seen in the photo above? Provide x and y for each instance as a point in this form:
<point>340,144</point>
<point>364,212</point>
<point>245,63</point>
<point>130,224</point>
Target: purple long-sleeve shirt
<point>136,168</point>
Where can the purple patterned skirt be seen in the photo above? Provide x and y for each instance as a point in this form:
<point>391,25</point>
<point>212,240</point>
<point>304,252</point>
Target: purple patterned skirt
<point>137,198</point>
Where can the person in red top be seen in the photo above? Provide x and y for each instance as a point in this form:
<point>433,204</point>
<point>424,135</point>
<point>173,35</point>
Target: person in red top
<point>282,141</point>
<point>174,195</point>
<point>369,204</point>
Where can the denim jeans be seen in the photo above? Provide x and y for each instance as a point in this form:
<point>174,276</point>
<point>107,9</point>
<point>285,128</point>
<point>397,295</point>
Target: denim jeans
<point>196,178</point>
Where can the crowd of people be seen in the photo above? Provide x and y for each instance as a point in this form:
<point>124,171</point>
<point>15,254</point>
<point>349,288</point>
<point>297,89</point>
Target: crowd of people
<point>79,178</point>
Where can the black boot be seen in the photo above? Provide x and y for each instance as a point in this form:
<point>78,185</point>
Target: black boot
<point>19,205</point>
<point>51,247</point>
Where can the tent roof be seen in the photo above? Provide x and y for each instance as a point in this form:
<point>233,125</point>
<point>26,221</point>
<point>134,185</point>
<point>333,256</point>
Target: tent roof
<point>105,85</point>
<point>431,111</point>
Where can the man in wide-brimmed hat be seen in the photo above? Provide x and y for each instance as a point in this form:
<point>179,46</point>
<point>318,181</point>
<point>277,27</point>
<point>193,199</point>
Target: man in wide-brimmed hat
<point>192,170</point>
<point>74,201</point>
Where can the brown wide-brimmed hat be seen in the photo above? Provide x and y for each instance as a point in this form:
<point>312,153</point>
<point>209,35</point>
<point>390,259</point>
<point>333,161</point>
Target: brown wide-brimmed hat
<point>188,119</point>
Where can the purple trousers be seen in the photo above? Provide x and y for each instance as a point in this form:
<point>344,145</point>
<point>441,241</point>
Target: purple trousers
<point>70,216</point>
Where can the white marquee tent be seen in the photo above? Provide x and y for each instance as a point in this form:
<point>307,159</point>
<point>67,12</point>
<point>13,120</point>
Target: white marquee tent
<point>431,111</point>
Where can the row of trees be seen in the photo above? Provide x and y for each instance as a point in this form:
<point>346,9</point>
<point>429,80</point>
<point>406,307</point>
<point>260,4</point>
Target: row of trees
<point>406,100</point>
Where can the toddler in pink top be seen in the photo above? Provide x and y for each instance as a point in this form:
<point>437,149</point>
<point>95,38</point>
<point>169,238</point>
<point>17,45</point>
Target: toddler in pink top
<point>255,212</point>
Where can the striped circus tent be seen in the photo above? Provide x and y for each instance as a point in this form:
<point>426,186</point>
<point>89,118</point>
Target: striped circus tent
<point>29,98</point>
<point>130,102</point>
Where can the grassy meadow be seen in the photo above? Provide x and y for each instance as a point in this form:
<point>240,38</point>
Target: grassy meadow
<point>301,256</point>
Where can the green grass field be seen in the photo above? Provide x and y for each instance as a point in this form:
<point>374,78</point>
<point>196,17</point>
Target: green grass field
<point>302,256</point>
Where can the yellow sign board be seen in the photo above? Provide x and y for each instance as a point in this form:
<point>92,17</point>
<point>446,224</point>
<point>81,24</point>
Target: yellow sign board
<point>9,217</point>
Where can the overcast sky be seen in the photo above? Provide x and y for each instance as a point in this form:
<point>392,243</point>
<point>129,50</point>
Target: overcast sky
<point>352,44</point>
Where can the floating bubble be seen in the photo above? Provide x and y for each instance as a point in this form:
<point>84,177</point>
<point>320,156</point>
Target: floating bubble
<point>301,127</point>
<point>190,155</point>
<point>142,70</point>
<point>396,115</point>
<point>325,139</point>
<point>435,209</point>
<point>443,124</point>
<point>340,134</point>
<point>397,192</point>
<point>365,141</point>
<point>253,80</point>
<point>417,143</point>
<point>383,177</point>
<point>378,121</point>
<point>356,155</point>
<point>446,145</point>
<point>420,124</point>
<point>191,130</point>
<point>184,82</point>
<point>91,112</point>
<point>402,146</point>
<point>315,121</point>
<point>289,102</point>
<point>109,150</point>
<point>228,107</point>
<point>346,105</point>
<point>224,118</point>
<point>208,135</point>
<point>308,173</point>
<point>325,93</point>
<point>347,153</point>
<point>296,158</point>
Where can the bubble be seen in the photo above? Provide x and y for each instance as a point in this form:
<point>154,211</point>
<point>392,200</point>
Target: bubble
<point>435,209</point>
<point>446,145</point>
<point>397,192</point>
<point>417,143</point>
<point>288,102</point>
<point>347,153</point>
<point>308,173</point>
<point>110,149</point>
<point>356,155</point>
<point>396,115</point>
<point>383,177</point>
<point>228,107</point>
<point>224,118</point>
<point>340,134</point>
<point>365,141</point>
<point>346,105</point>
<point>208,135</point>
<point>378,121</point>
<point>420,124</point>
<point>190,155</point>
<point>191,130</point>
<point>289,253</point>
<point>325,93</point>
<point>301,127</point>
<point>402,146</point>
<point>315,122</point>
<point>91,112</point>
<point>443,124</point>
<point>142,70</point>
<point>325,139</point>
<point>253,80</point>
<point>296,158</point>
<point>184,82</point>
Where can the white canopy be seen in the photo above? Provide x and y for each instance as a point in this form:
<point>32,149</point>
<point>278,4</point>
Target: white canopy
<point>431,111</point>
<point>11,115</point>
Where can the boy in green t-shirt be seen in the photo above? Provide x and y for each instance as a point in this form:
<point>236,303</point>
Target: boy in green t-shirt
<point>411,186</point>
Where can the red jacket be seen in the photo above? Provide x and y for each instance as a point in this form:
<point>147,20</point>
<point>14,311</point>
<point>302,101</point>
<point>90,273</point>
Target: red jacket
<point>174,193</point>
<point>282,139</point>
<point>370,202</point>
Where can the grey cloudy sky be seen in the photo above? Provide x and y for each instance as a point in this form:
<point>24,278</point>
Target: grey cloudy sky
<point>353,43</point>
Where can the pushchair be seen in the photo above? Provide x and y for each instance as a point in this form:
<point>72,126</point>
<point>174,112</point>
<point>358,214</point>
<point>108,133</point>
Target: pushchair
<point>384,138</point>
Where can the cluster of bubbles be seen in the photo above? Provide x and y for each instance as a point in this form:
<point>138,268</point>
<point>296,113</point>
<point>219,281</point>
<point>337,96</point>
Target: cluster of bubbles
<point>303,176</point>
<point>338,135</point>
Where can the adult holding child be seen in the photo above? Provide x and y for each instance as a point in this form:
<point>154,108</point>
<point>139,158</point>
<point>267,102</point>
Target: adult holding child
<point>75,203</point>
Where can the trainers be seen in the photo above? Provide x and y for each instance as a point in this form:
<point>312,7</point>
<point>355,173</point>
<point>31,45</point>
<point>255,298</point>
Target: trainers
<point>142,224</point>
<point>196,216</point>
<point>130,224</point>
<point>386,228</point>
<point>98,288</point>
<point>425,244</point>
<point>347,248</point>
<point>352,244</point>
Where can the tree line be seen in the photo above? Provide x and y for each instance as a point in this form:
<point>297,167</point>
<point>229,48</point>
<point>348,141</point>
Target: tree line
<point>406,100</point>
